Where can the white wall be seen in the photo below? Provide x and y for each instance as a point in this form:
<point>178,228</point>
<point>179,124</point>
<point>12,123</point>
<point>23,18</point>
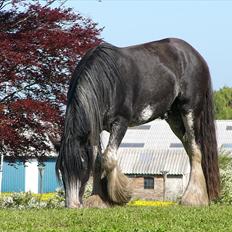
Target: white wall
<point>174,187</point>
<point>31,176</point>
<point>186,180</point>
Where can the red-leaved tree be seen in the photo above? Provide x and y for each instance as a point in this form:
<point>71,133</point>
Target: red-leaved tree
<point>40,45</point>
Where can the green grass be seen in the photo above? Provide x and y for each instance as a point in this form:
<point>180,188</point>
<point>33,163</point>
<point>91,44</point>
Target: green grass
<point>137,219</point>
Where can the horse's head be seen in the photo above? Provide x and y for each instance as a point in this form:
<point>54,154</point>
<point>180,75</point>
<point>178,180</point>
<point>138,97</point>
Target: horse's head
<point>74,164</point>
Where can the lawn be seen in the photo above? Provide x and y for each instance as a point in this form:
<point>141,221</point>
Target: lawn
<point>130,218</point>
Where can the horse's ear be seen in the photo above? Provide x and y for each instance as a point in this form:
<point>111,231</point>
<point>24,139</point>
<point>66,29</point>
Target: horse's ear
<point>55,142</point>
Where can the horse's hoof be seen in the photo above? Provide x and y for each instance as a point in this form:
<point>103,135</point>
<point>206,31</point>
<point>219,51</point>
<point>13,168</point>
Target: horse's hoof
<point>194,200</point>
<point>95,201</point>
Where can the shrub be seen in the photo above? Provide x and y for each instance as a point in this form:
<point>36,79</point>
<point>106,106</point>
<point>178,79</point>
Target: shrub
<point>88,189</point>
<point>27,200</point>
<point>225,165</point>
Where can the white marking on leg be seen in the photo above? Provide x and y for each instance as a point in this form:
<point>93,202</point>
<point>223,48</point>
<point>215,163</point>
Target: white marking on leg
<point>196,192</point>
<point>190,130</point>
<point>146,113</point>
<point>72,195</point>
<point>190,122</point>
<point>112,153</point>
<point>109,158</point>
<point>117,183</point>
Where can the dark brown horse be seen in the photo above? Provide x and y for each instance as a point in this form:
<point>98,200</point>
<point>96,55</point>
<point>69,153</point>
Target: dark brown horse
<point>114,88</point>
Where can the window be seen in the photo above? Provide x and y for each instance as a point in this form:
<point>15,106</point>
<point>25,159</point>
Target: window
<point>228,127</point>
<point>132,145</point>
<point>176,145</point>
<point>148,183</point>
<point>227,145</point>
<point>142,127</point>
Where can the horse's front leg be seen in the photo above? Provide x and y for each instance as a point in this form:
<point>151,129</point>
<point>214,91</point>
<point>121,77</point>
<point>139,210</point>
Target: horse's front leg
<point>98,198</point>
<point>118,190</point>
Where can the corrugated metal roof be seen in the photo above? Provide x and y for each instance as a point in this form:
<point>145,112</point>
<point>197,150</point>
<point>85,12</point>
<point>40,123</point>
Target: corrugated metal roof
<point>147,161</point>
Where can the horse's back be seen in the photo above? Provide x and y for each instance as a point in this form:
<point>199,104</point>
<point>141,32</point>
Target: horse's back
<point>158,73</point>
<point>168,60</point>
<point>174,53</point>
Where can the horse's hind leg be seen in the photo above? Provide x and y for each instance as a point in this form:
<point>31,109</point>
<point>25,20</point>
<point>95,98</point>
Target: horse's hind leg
<point>196,192</point>
<point>176,124</point>
<point>117,183</point>
<point>183,127</point>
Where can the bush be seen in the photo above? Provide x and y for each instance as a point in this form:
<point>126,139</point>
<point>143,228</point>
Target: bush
<point>29,201</point>
<point>88,189</point>
<point>225,165</point>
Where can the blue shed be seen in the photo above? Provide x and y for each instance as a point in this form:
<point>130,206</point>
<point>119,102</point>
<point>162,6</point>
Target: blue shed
<point>48,181</point>
<point>13,179</point>
<point>29,176</point>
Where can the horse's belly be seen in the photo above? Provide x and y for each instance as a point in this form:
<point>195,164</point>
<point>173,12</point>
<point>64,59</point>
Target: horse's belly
<point>148,113</point>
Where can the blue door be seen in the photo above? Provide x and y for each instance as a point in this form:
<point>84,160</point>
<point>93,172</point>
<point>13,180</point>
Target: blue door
<point>47,177</point>
<point>13,178</point>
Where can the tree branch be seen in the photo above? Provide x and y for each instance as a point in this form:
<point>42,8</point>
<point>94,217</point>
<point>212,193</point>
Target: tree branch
<point>27,17</point>
<point>2,5</point>
<point>17,91</point>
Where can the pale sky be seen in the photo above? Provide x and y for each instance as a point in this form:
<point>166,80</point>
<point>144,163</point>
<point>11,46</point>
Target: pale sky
<point>206,25</point>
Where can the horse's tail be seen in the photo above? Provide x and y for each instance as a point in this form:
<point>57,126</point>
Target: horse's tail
<point>208,143</point>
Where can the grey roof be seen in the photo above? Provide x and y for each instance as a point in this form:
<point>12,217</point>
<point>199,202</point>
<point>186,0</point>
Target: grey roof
<point>147,161</point>
<point>159,135</point>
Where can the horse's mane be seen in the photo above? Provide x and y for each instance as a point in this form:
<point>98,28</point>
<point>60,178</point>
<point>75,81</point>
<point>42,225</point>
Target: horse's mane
<point>93,81</point>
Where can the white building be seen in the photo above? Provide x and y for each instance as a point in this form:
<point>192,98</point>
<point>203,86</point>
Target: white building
<point>149,150</point>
